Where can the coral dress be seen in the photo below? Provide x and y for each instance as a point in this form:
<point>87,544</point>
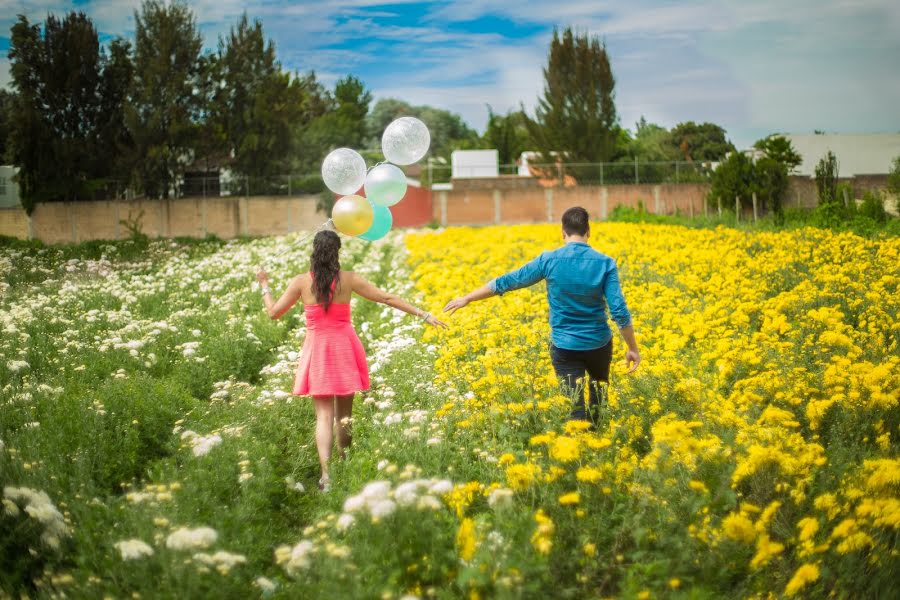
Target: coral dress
<point>333,360</point>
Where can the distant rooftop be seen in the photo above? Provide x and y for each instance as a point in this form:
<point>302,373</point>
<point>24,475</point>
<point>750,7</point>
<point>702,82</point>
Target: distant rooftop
<point>857,154</point>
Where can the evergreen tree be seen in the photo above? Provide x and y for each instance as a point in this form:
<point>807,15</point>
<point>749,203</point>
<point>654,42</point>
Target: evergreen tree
<point>6,107</point>
<point>56,74</point>
<point>258,106</point>
<point>114,142</point>
<point>576,116</point>
<point>508,134</point>
<point>165,95</point>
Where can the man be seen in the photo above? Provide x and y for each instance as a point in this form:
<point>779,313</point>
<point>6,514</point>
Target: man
<point>581,284</point>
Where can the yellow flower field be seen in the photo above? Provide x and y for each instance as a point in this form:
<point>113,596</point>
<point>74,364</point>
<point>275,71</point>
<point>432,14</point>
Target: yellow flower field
<point>755,450</point>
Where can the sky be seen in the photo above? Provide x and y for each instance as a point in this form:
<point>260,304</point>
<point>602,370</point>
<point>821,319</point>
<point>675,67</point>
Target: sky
<point>753,67</point>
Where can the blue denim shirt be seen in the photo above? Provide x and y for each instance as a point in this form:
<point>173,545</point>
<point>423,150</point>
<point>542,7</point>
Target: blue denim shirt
<point>581,283</point>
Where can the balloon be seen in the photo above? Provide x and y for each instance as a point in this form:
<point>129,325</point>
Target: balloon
<point>381,224</point>
<point>344,171</point>
<point>405,141</point>
<point>352,215</point>
<point>385,185</point>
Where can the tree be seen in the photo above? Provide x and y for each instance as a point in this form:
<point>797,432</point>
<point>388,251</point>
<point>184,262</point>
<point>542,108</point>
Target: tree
<point>734,178</point>
<point>114,141</point>
<point>827,179</point>
<point>771,185</point>
<point>448,130</point>
<point>256,106</point>
<point>651,142</point>
<point>576,116</point>
<point>56,73</point>
<point>6,106</point>
<point>703,142</point>
<point>163,108</point>
<point>344,124</point>
<point>508,134</point>
<point>894,182</point>
<point>780,149</point>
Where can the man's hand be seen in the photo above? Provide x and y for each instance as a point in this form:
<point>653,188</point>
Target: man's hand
<point>632,356</point>
<point>455,305</point>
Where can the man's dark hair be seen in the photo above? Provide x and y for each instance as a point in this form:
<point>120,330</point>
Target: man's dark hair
<point>575,221</point>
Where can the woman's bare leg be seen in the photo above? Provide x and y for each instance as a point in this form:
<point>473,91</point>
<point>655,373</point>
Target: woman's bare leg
<point>324,433</point>
<point>342,416</point>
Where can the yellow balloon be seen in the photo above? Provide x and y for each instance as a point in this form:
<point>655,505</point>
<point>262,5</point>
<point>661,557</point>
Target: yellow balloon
<point>352,215</point>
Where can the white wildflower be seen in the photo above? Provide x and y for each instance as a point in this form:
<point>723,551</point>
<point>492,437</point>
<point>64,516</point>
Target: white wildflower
<point>191,539</point>
<point>132,549</point>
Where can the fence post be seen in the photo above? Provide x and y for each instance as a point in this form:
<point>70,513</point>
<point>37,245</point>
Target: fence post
<point>72,221</point>
<point>846,199</point>
<point>442,196</point>
<point>636,178</point>
<point>601,176</point>
<point>720,206</point>
<point>676,175</point>
<point>548,195</point>
<point>604,202</point>
<point>737,209</point>
<point>289,186</point>
<point>497,198</point>
<point>118,222</point>
<point>754,207</point>
<point>691,208</point>
<point>559,171</point>
<point>656,200</point>
<point>203,215</point>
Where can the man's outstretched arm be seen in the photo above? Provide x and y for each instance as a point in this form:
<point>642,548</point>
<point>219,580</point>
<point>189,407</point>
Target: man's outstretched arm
<point>524,276</point>
<point>485,291</point>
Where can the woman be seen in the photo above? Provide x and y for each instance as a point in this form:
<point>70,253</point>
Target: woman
<point>332,366</point>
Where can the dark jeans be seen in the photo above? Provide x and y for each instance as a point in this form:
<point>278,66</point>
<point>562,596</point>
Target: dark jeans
<point>570,365</point>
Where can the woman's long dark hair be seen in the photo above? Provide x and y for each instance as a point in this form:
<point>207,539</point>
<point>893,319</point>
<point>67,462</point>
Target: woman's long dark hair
<point>325,265</point>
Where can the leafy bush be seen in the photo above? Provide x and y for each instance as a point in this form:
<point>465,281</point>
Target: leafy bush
<point>873,206</point>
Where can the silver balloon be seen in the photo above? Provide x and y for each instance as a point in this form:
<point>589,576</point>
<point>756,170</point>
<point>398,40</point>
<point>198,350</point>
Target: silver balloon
<point>385,185</point>
<point>344,171</point>
<point>405,141</point>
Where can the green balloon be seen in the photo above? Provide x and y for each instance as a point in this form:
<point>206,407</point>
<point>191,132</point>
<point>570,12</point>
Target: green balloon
<point>381,224</point>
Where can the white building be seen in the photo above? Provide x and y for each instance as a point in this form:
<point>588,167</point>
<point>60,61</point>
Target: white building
<point>9,189</point>
<point>857,154</point>
<point>475,163</point>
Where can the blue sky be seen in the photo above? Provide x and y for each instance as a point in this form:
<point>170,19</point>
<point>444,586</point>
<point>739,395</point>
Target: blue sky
<point>754,67</point>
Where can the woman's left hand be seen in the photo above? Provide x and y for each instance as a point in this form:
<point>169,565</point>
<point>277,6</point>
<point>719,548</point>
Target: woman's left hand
<point>435,322</point>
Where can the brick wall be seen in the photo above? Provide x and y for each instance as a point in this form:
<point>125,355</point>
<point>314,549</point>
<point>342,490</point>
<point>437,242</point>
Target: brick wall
<point>474,206</point>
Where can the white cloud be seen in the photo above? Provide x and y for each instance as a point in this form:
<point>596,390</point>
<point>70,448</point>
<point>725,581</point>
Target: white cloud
<point>751,66</point>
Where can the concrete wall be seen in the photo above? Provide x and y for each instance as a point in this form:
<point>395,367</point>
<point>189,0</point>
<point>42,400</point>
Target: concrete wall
<point>66,222</point>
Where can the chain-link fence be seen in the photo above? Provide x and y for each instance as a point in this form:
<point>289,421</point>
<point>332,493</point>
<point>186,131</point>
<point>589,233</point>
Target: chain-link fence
<point>548,175</point>
<point>572,174</point>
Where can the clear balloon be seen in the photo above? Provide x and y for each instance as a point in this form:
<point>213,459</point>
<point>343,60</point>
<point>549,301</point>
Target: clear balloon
<point>381,223</point>
<point>405,141</point>
<point>385,185</point>
<point>344,171</point>
<point>352,215</point>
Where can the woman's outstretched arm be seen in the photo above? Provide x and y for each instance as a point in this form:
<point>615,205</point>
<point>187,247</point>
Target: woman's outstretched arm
<point>370,292</point>
<point>276,309</point>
